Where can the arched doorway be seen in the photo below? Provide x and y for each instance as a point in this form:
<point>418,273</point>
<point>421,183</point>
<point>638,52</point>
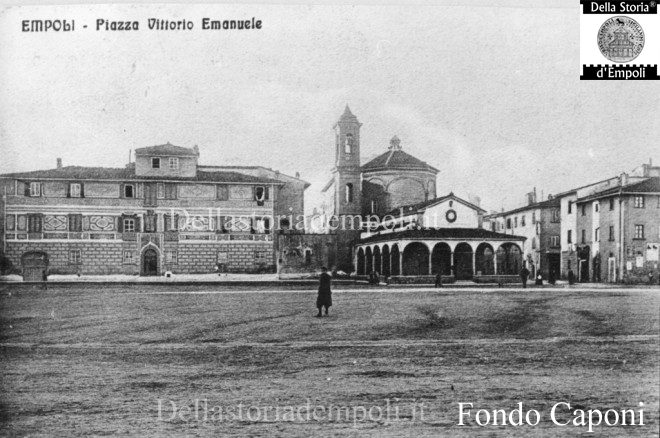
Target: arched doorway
<point>360,261</point>
<point>377,260</point>
<point>484,259</point>
<point>369,263</point>
<point>386,261</point>
<point>395,257</point>
<point>34,265</point>
<point>150,262</point>
<point>441,259</point>
<point>509,259</point>
<point>416,259</point>
<point>463,261</point>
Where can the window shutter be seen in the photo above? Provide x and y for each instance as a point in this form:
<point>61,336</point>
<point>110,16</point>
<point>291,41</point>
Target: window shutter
<point>27,188</point>
<point>137,224</point>
<point>120,225</point>
<point>252,225</point>
<point>221,225</point>
<point>68,190</point>
<point>266,192</point>
<point>82,190</point>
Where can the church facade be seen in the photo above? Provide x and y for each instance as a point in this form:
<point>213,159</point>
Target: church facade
<point>405,230</point>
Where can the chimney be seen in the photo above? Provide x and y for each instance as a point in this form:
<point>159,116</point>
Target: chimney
<point>196,150</point>
<point>59,163</point>
<point>297,174</point>
<point>623,179</point>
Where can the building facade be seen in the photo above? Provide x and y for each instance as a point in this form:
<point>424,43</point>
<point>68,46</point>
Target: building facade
<point>619,233</point>
<point>540,224</point>
<point>162,212</point>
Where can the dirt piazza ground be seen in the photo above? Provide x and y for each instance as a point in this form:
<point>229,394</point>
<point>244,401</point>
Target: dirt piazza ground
<point>215,361</point>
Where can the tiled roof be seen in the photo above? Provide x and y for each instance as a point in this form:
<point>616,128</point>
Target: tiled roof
<point>397,159</point>
<point>550,203</point>
<point>413,208</point>
<point>651,185</point>
<point>443,233</point>
<point>126,174</point>
<point>166,149</point>
<point>76,172</point>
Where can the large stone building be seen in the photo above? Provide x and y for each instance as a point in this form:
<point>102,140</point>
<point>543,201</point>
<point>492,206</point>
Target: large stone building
<point>163,212</point>
<point>418,234</point>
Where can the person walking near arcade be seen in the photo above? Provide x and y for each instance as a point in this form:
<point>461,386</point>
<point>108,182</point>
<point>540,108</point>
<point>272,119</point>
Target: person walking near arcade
<point>524,275</point>
<point>324,298</point>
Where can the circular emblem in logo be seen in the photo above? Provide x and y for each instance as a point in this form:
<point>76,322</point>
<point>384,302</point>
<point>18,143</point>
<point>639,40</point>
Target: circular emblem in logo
<point>620,39</point>
<point>451,216</point>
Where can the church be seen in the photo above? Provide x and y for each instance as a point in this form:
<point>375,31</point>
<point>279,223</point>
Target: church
<point>407,232</point>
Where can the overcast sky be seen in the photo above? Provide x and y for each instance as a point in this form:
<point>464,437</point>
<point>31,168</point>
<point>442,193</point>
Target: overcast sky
<point>491,96</point>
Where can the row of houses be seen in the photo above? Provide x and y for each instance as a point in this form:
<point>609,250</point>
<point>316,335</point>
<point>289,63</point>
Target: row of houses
<point>606,231</point>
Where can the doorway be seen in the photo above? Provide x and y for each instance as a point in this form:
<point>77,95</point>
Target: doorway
<point>150,262</point>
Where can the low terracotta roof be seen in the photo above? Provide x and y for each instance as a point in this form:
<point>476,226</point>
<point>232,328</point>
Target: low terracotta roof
<point>413,208</point>
<point>651,185</point>
<point>443,233</point>
<point>128,174</point>
<point>166,149</point>
<point>550,203</point>
<point>397,159</point>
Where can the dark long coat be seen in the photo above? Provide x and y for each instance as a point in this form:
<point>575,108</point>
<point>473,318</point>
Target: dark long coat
<point>325,294</point>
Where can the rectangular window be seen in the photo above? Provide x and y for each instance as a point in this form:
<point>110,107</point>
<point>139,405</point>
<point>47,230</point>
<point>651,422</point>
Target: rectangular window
<point>584,236</point>
<point>150,221</point>
<point>260,193</point>
<point>570,207</point>
<point>639,231</point>
<point>569,236</point>
<point>129,225</point>
<point>515,222</point>
<point>75,190</point>
<point>611,204</point>
<point>170,190</point>
<point>611,233</point>
<point>34,223</point>
<point>35,189</point>
<point>171,222</point>
<point>75,222</point>
<point>556,215</point>
<point>160,191</point>
<point>554,240</point>
<point>171,257</point>
<point>129,191</point>
<point>639,201</point>
<point>155,162</point>
<point>75,256</point>
<point>128,257</point>
<point>508,224</point>
<point>597,235</point>
<point>222,193</point>
<point>584,209</point>
<point>596,207</point>
<point>174,163</point>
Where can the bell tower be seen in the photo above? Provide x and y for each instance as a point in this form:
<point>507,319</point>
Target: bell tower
<point>347,185</point>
